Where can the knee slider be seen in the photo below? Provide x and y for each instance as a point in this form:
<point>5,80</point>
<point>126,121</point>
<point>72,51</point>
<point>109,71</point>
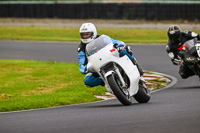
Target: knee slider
<point>92,81</point>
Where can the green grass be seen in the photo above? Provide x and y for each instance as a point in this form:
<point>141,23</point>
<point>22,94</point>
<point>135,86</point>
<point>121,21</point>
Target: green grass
<point>39,34</point>
<point>72,34</point>
<point>32,33</point>
<point>34,84</point>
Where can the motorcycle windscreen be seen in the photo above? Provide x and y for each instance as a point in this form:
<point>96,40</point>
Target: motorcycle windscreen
<point>190,45</point>
<point>97,44</point>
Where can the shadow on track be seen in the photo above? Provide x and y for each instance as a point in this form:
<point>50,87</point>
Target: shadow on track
<point>113,105</point>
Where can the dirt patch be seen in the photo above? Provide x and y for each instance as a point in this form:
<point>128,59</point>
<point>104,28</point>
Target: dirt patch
<point>5,96</point>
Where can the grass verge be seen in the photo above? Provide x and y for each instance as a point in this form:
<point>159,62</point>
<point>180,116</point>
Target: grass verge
<point>34,84</point>
<point>32,33</point>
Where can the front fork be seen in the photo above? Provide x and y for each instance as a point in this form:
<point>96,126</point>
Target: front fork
<point>114,70</point>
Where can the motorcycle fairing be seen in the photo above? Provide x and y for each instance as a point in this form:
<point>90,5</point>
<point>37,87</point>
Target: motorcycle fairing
<point>100,59</point>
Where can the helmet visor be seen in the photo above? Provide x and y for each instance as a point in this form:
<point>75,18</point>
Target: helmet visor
<point>176,37</point>
<point>86,35</point>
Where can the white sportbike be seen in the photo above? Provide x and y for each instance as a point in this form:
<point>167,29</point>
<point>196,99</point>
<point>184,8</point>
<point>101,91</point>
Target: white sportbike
<point>120,75</point>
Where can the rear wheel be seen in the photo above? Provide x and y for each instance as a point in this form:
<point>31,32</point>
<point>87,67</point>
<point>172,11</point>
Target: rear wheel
<point>143,95</point>
<point>122,94</point>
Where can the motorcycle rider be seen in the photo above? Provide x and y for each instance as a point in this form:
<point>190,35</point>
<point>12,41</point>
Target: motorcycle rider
<point>88,33</point>
<point>176,40</point>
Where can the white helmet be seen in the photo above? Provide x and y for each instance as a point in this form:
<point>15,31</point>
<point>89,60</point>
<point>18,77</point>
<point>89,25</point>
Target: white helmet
<point>88,28</point>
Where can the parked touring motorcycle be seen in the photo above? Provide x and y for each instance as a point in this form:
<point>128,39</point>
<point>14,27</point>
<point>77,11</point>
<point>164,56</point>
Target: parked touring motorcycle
<point>190,55</point>
<point>120,75</point>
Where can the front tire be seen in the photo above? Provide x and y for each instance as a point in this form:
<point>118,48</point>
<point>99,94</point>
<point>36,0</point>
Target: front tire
<point>122,95</point>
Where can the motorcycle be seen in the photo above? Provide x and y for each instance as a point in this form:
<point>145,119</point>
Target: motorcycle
<point>190,55</point>
<point>120,75</point>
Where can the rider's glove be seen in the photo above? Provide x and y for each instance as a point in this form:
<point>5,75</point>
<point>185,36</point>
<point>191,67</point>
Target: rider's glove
<point>119,47</point>
<point>177,61</point>
<point>171,55</point>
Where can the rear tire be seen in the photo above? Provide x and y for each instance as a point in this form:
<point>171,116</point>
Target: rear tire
<point>143,95</point>
<point>122,96</point>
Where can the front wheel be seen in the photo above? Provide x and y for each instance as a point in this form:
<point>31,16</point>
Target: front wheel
<point>143,95</point>
<point>122,94</point>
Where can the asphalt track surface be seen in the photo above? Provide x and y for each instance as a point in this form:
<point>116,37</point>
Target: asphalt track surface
<point>172,110</point>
